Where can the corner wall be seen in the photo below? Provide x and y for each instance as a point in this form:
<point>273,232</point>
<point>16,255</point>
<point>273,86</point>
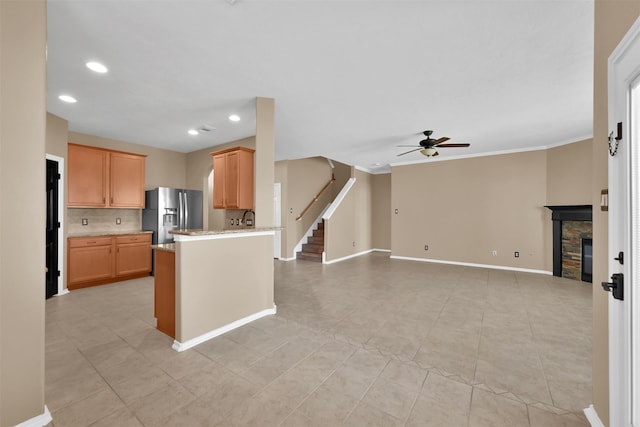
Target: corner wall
<point>22,183</point>
<point>349,230</point>
<point>612,20</point>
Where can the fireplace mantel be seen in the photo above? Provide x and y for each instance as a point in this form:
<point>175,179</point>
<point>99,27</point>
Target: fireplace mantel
<point>558,215</point>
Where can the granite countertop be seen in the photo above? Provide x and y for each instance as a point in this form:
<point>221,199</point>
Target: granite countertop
<point>223,231</point>
<point>108,233</point>
<point>169,247</point>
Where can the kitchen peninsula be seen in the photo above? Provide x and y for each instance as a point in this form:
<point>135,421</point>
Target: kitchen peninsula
<point>223,280</point>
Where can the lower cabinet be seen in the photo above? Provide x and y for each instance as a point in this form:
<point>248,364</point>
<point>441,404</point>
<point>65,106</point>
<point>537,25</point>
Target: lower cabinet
<point>98,260</point>
<point>133,255</point>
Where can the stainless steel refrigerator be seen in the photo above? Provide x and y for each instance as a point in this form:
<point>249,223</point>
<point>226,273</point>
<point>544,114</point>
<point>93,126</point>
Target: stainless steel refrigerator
<point>169,209</point>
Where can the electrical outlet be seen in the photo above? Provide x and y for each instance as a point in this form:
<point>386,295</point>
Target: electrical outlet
<point>396,211</point>
<point>494,253</point>
<point>85,221</point>
<point>354,243</point>
<point>516,254</point>
<point>237,221</point>
<point>426,247</point>
<point>118,221</point>
<point>231,221</point>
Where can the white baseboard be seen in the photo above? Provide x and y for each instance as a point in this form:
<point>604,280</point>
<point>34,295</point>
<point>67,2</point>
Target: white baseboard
<point>469,264</point>
<point>65,291</point>
<point>39,421</point>
<point>288,259</point>
<point>592,417</point>
<point>182,346</point>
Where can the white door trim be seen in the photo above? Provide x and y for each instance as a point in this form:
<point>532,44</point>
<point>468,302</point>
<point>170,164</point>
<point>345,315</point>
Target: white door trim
<point>277,220</point>
<point>624,223</point>
<point>61,246</point>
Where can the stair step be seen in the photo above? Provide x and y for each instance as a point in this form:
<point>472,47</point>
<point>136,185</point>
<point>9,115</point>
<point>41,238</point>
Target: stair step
<point>308,256</point>
<point>310,247</point>
<point>315,240</point>
<point>318,233</point>
<point>320,225</point>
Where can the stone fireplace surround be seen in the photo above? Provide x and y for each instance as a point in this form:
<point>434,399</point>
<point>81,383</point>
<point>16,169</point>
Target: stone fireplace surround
<point>571,224</point>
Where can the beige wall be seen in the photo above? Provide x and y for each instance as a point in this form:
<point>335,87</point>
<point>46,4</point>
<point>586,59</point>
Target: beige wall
<point>163,168</point>
<point>22,184</point>
<point>57,136</point>
<point>569,174</point>
<point>465,209</point>
<point>612,20</point>
<point>219,281</point>
<point>348,230</point>
<point>381,211</point>
<point>264,161</point>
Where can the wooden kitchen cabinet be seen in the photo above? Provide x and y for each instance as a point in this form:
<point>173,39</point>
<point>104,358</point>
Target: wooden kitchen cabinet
<point>126,173</point>
<point>95,261</point>
<point>100,178</point>
<point>233,178</point>
<point>164,295</point>
<point>90,260</point>
<point>87,182</point>
<point>133,254</point>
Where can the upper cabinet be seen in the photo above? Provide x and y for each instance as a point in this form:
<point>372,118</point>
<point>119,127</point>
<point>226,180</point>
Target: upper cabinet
<point>99,178</point>
<point>233,178</point>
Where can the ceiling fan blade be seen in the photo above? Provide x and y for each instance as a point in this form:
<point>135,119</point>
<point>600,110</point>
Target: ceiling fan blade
<point>435,154</point>
<point>410,151</point>
<point>453,145</point>
<point>440,141</point>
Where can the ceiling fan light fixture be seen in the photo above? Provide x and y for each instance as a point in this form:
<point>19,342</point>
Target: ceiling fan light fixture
<point>429,151</point>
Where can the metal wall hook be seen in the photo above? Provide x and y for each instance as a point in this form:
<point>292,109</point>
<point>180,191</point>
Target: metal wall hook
<point>613,151</point>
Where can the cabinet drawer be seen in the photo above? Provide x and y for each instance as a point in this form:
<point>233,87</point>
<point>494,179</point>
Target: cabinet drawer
<point>134,238</point>
<point>83,242</point>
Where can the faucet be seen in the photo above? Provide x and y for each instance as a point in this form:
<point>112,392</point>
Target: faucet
<point>249,222</point>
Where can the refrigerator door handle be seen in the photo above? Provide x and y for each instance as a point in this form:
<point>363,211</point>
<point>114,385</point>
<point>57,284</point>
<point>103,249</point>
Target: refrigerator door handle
<point>186,211</point>
<point>180,208</point>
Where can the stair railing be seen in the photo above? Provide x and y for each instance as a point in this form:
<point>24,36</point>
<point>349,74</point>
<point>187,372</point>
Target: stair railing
<point>316,198</point>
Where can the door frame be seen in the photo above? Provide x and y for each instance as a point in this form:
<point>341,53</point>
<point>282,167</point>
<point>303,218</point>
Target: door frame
<point>62,290</point>
<point>624,221</point>
<point>277,220</point>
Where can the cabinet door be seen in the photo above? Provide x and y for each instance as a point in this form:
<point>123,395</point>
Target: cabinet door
<point>90,263</point>
<point>218,181</point>
<point>127,181</point>
<point>132,258</point>
<point>245,180</point>
<point>87,177</point>
<point>232,180</point>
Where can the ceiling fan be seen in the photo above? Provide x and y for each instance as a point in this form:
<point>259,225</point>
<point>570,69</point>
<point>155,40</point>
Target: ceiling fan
<point>428,147</point>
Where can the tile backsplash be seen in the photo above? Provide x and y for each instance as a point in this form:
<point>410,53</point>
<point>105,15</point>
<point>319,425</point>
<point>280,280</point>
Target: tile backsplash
<point>103,220</point>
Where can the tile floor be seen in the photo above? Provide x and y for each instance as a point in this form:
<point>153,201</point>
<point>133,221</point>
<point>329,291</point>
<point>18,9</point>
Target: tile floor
<point>367,342</point>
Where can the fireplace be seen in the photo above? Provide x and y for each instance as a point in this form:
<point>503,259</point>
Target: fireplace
<point>572,241</point>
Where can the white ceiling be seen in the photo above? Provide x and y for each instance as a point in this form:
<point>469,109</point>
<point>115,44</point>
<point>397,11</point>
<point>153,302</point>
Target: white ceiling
<point>351,79</point>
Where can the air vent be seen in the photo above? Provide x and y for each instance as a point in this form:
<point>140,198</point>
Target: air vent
<point>206,128</point>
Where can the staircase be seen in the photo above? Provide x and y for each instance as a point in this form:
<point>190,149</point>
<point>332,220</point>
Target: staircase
<point>312,250</point>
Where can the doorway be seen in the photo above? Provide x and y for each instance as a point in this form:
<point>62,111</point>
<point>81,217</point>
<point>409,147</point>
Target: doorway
<point>53,230</point>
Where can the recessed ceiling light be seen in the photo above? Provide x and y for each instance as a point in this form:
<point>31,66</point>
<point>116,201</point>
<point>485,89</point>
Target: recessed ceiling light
<point>193,132</point>
<point>67,98</point>
<point>234,118</point>
<point>97,67</point>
